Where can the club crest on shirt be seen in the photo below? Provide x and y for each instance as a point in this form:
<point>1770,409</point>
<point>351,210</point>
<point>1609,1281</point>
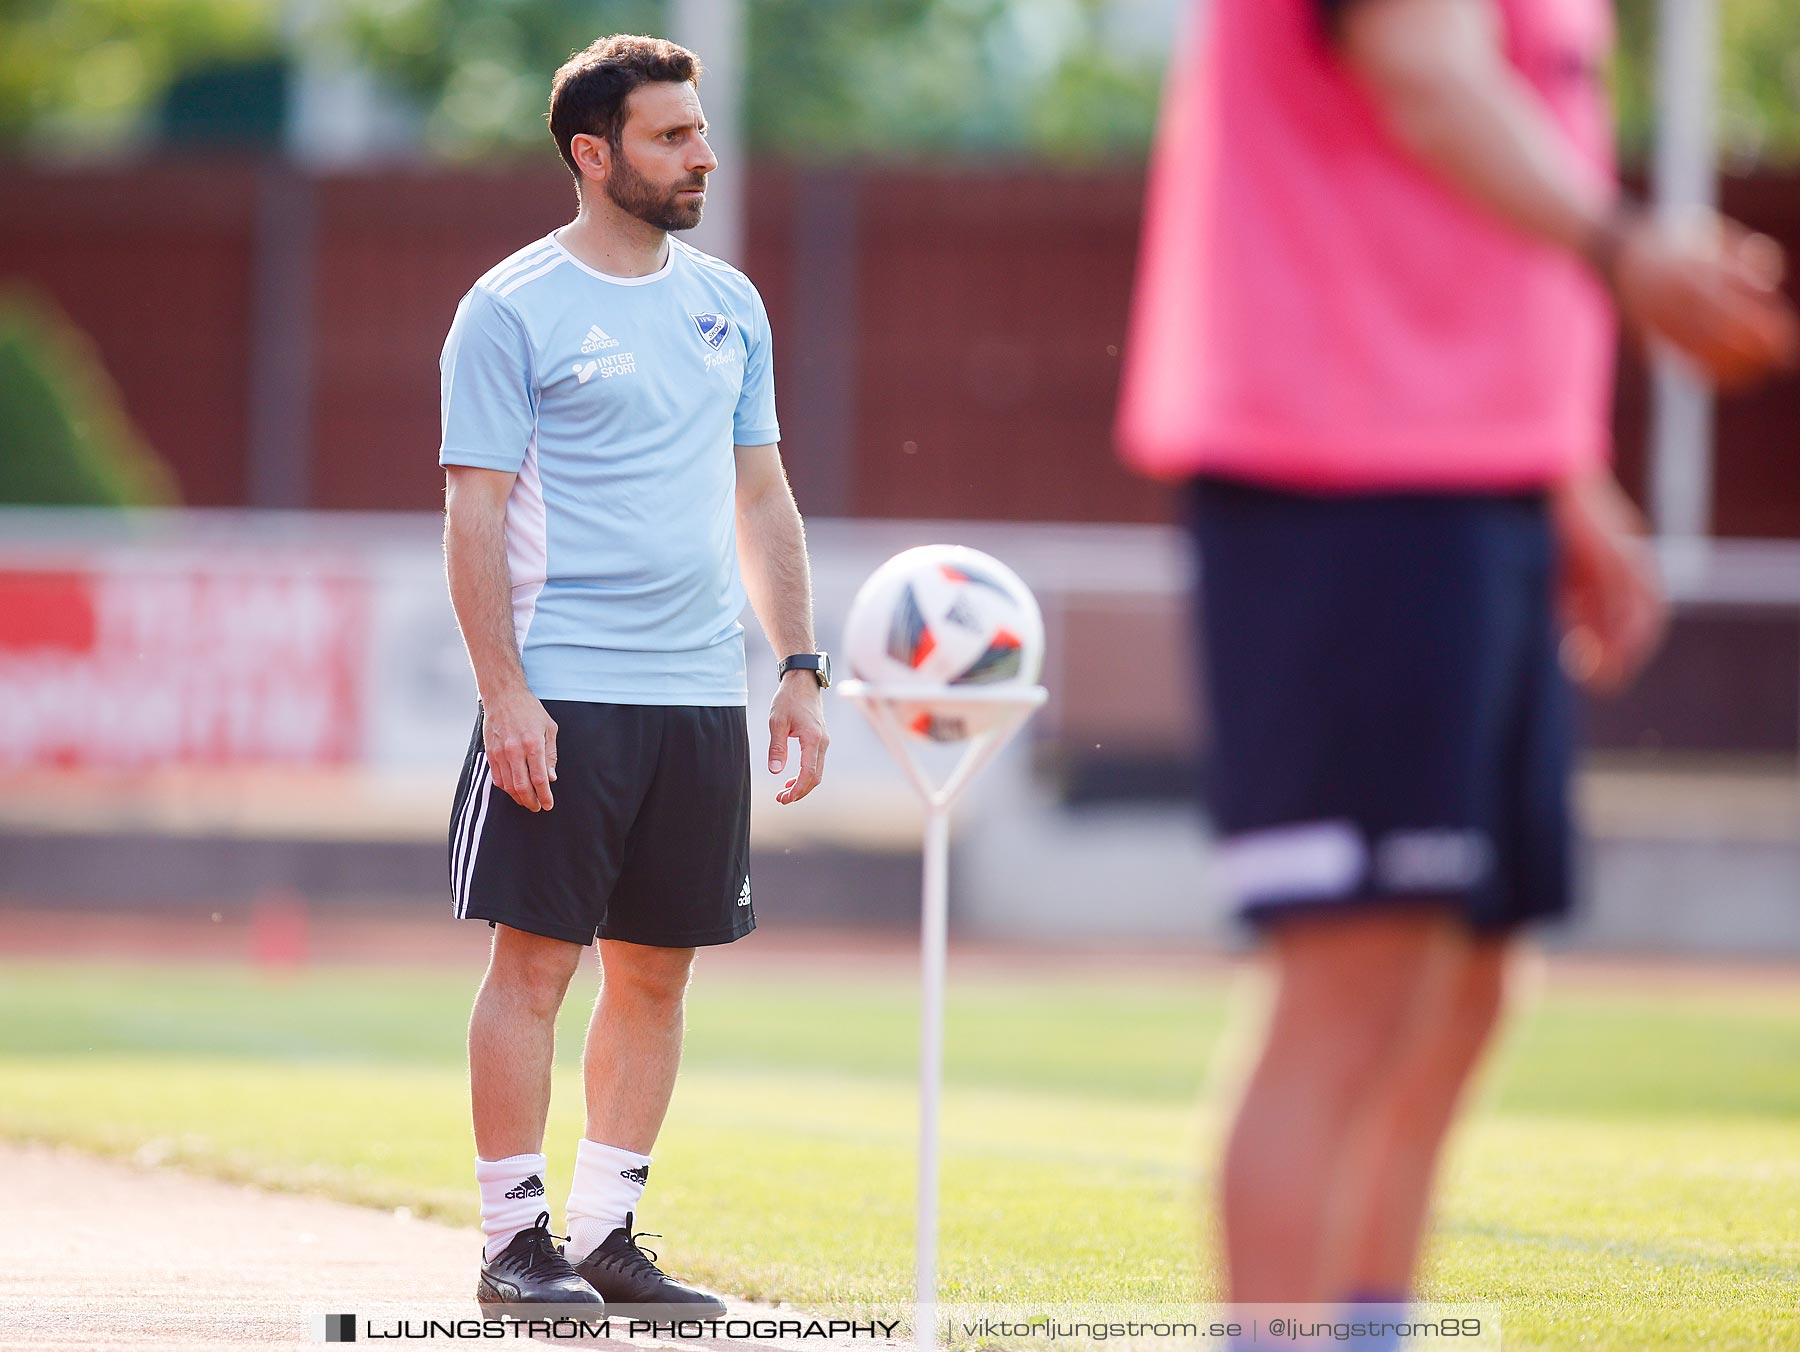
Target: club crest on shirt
<point>713,328</point>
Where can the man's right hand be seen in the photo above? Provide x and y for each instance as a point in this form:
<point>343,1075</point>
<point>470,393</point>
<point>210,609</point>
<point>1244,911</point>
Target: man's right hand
<point>1712,290</point>
<point>520,738</point>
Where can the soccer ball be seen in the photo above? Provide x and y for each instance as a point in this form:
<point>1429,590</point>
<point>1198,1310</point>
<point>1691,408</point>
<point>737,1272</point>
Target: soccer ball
<point>944,615</point>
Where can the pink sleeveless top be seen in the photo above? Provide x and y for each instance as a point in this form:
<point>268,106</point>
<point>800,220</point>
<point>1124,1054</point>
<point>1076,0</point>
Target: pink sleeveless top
<point>1315,309</point>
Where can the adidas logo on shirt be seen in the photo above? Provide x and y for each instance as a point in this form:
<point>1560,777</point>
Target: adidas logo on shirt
<point>531,1187</point>
<point>597,340</point>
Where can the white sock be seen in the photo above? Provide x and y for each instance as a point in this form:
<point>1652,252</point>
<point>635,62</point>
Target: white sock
<point>512,1197</point>
<point>608,1183</point>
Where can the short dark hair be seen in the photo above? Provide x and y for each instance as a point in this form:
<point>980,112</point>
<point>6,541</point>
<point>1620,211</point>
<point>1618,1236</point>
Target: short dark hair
<point>588,93</point>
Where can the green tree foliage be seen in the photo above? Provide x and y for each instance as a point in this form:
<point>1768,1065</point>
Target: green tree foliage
<point>64,436</point>
<point>1759,80</point>
<point>81,73</point>
<point>908,77</point>
<point>480,69</point>
<point>828,79</point>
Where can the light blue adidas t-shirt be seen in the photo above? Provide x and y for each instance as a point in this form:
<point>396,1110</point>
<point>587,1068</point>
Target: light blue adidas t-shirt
<point>617,401</point>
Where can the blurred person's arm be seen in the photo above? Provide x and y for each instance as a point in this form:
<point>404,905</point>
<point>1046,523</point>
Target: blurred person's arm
<point>1439,74</point>
<point>1609,598</point>
<point>517,731</point>
<point>771,542</point>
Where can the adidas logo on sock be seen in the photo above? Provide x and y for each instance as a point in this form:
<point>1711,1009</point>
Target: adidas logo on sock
<point>639,1175</point>
<point>531,1187</point>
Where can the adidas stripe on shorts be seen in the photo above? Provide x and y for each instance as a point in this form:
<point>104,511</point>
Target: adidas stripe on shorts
<point>649,841</point>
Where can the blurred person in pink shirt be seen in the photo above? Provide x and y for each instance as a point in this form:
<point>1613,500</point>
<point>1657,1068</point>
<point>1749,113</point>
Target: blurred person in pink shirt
<point>1373,336</point>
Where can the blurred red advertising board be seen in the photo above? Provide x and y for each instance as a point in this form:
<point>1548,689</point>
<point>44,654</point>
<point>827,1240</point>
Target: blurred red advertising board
<point>234,660</point>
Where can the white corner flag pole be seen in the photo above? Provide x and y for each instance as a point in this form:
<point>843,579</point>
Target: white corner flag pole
<point>1686,178</point>
<point>1009,707</point>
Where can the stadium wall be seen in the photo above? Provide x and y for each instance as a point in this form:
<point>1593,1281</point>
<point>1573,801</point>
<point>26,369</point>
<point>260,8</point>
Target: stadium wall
<point>204,708</point>
<point>947,339</point>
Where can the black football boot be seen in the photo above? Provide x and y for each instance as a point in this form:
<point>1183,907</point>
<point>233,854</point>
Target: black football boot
<point>532,1272</point>
<point>628,1279</point>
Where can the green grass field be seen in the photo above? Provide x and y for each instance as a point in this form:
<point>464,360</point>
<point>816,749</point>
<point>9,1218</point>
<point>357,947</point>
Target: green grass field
<point>1631,1178</point>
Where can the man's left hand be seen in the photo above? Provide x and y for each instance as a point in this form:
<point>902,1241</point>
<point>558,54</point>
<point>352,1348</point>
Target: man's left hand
<point>799,713</point>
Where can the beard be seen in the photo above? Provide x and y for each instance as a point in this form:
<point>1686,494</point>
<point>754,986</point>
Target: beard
<point>659,206</point>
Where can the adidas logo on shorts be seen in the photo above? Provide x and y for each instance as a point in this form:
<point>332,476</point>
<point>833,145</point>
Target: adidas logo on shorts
<point>531,1187</point>
<point>744,896</point>
<point>639,1175</point>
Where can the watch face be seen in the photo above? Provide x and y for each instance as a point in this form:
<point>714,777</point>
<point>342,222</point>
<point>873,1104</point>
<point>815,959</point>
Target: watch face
<point>824,671</point>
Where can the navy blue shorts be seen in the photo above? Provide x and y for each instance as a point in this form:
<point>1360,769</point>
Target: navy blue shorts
<point>1389,720</point>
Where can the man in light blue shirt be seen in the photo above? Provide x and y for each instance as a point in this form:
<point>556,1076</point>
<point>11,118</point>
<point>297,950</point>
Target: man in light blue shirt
<point>616,401</point>
<point>615,493</point>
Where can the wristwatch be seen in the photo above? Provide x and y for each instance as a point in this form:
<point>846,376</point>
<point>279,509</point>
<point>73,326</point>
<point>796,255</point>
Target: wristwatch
<point>819,664</point>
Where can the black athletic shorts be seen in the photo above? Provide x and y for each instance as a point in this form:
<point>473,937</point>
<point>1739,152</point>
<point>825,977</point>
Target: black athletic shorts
<point>1390,721</point>
<point>649,841</point>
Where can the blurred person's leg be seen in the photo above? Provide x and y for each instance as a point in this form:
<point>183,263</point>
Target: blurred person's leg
<point>1386,1199</point>
<point>1384,1194</point>
<point>1388,727</point>
<point>1349,987</point>
<point>512,1041</point>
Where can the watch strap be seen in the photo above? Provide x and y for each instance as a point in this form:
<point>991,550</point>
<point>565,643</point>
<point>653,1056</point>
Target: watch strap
<point>813,662</point>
